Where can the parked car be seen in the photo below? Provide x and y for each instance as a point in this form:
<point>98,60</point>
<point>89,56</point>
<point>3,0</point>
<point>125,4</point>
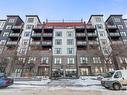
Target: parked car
<point>4,81</point>
<point>115,79</point>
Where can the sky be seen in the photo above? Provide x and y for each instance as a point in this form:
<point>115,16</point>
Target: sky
<point>62,9</point>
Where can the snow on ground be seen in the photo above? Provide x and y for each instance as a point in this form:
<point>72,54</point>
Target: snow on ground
<point>42,82</point>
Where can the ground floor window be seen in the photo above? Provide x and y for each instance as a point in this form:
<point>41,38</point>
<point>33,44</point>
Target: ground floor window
<point>84,71</point>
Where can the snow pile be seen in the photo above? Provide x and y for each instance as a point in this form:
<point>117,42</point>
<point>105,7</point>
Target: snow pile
<point>39,83</point>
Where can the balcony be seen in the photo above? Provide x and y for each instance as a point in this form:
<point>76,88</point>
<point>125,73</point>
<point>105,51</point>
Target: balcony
<point>14,34</point>
<point>93,43</point>
<point>92,34</point>
<point>111,26</point>
<point>46,43</point>
<point>35,43</point>
<point>117,42</point>
<point>12,43</point>
<point>36,34</point>
<point>81,43</point>
<point>89,26</point>
<point>114,34</point>
<point>80,34</point>
<point>47,34</point>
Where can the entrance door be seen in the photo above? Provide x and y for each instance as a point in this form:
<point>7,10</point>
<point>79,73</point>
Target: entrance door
<point>43,71</point>
<point>85,71</point>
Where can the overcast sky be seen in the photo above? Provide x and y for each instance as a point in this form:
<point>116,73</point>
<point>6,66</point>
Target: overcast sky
<point>59,9</point>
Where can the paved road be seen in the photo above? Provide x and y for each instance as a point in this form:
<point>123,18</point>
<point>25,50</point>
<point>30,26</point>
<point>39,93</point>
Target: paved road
<point>57,91</point>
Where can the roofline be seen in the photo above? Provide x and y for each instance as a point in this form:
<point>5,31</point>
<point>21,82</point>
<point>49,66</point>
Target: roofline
<point>33,16</point>
<point>92,16</point>
<point>15,16</point>
<point>113,15</point>
<point>3,20</point>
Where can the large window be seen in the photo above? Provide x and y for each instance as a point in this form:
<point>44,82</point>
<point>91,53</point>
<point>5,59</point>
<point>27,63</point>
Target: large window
<point>58,51</point>
<point>96,60</point>
<point>2,42</point>
<point>58,42</point>
<point>99,26</point>
<point>70,61</point>
<point>30,20</point>
<point>70,41</point>
<point>123,59</point>
<point>102,33</point>
<point>117,19</point>
<point>70,33</point>
<point>70,50</point>
<point>11,20</point>
<point>44,60</point>
<point>31,60</point>
<point>83,60</point>
<point>58,34</point>
<point>123,33</point>
<point>8,26</point>
<point>26,34</point>
<point>57,61</point>
<point>98,19</point>
<point>29,27</point>
<point>5,34</point>
<point>120,26</point>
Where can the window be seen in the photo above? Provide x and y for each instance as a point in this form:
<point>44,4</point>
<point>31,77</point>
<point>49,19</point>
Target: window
<point>25,42</point>
<point>11,20</point>
<point>117,19</point>
<point>26,34</point>
<point>57,61</point>
<point>58,34</point>
<point>58,41</point>
<point>98,19</point>
<point>5,34</point>
<point>70,61</point>
<point>8,26</point>
<point>58,51</point>
<point>23,50</point>
<point>118,74</point>
<point>106,50</point>
<point>96,60</point>
<point>44,60</point>
<point>31,60</point>
<point>2,42</point>
<point>18,70</point>
<point>1,49</point>
<point>70,41</point>
<point>30,20</point>
<point>83,60</point>
<point>123,33</point>
<point>70,50</point>
<point>125,23</point>
<point>70,33</point>
<point>103,41</point>
<point>102,33</point>
<point>29,27</point>
<point>99,26</point>
<point>120,26</point>
<point>123,59</point>
<point>21,60</point>
<point>2,24</point>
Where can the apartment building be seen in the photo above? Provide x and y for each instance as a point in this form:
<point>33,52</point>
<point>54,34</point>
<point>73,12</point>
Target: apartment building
<point>68,48</point>
<point>117,31</point>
